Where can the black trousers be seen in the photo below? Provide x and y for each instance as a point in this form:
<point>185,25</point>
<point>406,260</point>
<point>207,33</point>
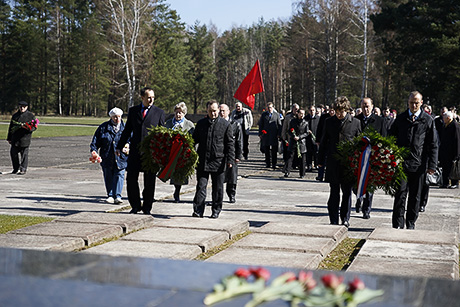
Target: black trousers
<point>312,150</point>
<point>410,190</point>
<point>133,190</point>
<point>245,144</point>
<point>446,168</point>
<point>334,202</point>
<point>271,153</point>
<point>366,202</point>
<point>19,164</point>
<point>231,180</point>
<point>300,162</point>
<point>199,201</point>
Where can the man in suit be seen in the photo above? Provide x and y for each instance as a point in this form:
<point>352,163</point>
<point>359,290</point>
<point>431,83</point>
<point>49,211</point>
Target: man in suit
<point>312,147</point>
<point>244,117</point>
<point>140,118</point>
<point>341,127</point>
<point>369,119</point>
<point>269,133</point>
<point>415,130</point>
<point>216,152</point>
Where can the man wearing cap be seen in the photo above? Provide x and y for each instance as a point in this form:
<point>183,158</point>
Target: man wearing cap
<point>19,136</point>
<point>104,144</point>
<point>140,118</point>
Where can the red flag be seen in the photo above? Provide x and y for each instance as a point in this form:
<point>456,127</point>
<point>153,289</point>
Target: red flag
<point>250,86</point>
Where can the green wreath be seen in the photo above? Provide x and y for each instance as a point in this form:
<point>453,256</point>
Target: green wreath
<point>169,153</point>
<point>385,162</point>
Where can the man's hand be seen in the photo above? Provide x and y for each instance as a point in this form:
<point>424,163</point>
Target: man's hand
<point>229,165</point>
<point>117,152</point>
<point>237,160</point>
<point>430,171</point>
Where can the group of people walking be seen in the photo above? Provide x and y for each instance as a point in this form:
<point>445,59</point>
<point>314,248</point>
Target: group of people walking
<point>307,141</point>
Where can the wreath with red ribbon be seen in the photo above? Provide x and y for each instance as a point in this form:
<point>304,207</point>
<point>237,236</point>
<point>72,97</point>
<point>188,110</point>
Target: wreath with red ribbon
<point>169,153</point>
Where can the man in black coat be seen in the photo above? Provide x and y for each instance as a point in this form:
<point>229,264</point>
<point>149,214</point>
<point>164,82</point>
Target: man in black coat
<point>341,127</point>
<point>415,130</point>
<point>270,127</point>
<point>214,136</point>
<point>231,174</point>
<point>369,119</point>
<point>19,136</point>
<point>140,118</point>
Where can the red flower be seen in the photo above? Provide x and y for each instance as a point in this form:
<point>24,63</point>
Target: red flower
<point>242,272</point>
<point>292,130</point>
<point>287,144</point>
<point>331,281</point>
<point>306,278</point>
<point>264,132</point>
<point>290,276</point>
<point>375,147</point>
<point>392,157</point>
<point>393,163</point>
<point>260,273</point>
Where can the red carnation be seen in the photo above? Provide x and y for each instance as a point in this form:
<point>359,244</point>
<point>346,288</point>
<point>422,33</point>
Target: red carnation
<point>392,157</point>
<point>356,284</point>
<point>260,273</point>
<point>331,281</point>
<point>292,130</point>
<point>264,132</point>
<point>242,272</point>
<point>393,163</point>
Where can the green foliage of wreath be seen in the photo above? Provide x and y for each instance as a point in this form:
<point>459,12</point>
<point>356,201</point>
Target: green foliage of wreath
<point>386,161</point>
<point>156,149</point>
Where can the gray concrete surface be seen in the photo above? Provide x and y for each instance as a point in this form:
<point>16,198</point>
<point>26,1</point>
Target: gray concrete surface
<point>288,213</point>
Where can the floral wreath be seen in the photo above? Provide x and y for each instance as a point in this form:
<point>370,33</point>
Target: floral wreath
<point>169,153</point>
<point>373,162</point>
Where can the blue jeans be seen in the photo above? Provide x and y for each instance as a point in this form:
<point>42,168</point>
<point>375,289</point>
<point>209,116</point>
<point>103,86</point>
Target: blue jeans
<point>114,179</point>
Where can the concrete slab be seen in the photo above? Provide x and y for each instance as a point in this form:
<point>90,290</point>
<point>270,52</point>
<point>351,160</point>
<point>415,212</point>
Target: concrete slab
<point>129,222</point>
<point>410,236</point>
<point>409,251</point>
<point>300,244</point>
<point>338,233</point>
<point>268,258</point>
<point>404,267</point>
<point>231,226</point>
<point>205,239</point>
<point>90,233</point>
<point>63,244</point>
<point>146,250</point>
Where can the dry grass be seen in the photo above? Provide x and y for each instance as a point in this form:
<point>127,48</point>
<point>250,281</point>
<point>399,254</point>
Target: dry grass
<point>342,256</point>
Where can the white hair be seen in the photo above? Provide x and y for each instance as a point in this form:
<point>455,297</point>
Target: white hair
<point>449,114</point>
<point>115,111</point>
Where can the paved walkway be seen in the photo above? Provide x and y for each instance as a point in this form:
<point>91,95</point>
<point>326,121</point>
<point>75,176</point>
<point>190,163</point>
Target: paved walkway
<point>287,218</point>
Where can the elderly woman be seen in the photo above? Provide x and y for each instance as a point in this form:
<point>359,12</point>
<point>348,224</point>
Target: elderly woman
<point>180,122</point>
<point>105,140</point>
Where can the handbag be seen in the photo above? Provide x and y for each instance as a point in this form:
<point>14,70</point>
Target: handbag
<point>435,178</point>
<point>455,170</point>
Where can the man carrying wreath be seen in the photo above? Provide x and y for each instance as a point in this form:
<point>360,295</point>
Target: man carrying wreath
<point>338,128</point>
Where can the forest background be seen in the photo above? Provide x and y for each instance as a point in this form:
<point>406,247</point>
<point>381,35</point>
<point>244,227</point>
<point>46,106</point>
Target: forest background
<point>83,57</point>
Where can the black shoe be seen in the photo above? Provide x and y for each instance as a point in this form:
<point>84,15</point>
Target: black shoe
<point>133,211</point>
<point>366,216</point>
<point>453,187</point>
<point>410,227</point>
<point>14,171</point>
<point>302,176</point>
<point>422,209</point>
<point>21,173</point>
<point>358,206</point>
<point>232,200</point>
<point>214,216</point>
<point>194,214</point>
<point>319,179</point>
<point>146,212</point>
<point>346,224</point>
<point>286,175</point>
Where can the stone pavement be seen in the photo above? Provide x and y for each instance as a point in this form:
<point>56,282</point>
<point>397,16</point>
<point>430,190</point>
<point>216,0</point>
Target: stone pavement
<point>287,218</point>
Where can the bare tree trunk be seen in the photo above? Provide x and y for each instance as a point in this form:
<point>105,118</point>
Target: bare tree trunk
<point>365,64</point>
<point>58,53</point>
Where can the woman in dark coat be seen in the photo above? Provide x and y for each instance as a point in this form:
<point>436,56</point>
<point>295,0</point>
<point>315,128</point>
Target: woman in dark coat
<point>298,133</point>
<point>180,122</point>
<point>341,127</point>
<point>105,140</point>
<point>449,149</point>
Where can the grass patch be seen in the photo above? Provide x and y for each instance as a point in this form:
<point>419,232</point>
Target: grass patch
<point>13,222</point>
<point>54,131</point>
<point>95,121</point>
<point>218,249</point>
<point>342,256</point>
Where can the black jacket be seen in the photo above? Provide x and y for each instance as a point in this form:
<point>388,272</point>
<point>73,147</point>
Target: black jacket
<point>21,137</point>
<point>215,144</point>
<point>336,131</point>
<point>374,121</point>
<point>272,125</point>
<point>420,138</point>
<point>237,139</point>
<point>449,149</point>
<point>301,130</point>
<point>137,128</point>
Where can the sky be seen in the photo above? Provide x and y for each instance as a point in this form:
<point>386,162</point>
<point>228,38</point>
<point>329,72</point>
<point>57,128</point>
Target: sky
<point>226,13</point>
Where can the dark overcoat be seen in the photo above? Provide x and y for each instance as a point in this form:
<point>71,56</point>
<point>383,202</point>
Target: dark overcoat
<point>336,131</point>
<point>420,138</point>
<point>215,144</point>
<point>449,149</point>
<point>21,137</point>
<point>137,128</point>
<point>272,125</point>
<point>300,127</point>
<point>374,121</point>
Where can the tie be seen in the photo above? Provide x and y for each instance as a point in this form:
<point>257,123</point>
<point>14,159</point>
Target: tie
<point>414,117</point>
<point>144,112</point>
